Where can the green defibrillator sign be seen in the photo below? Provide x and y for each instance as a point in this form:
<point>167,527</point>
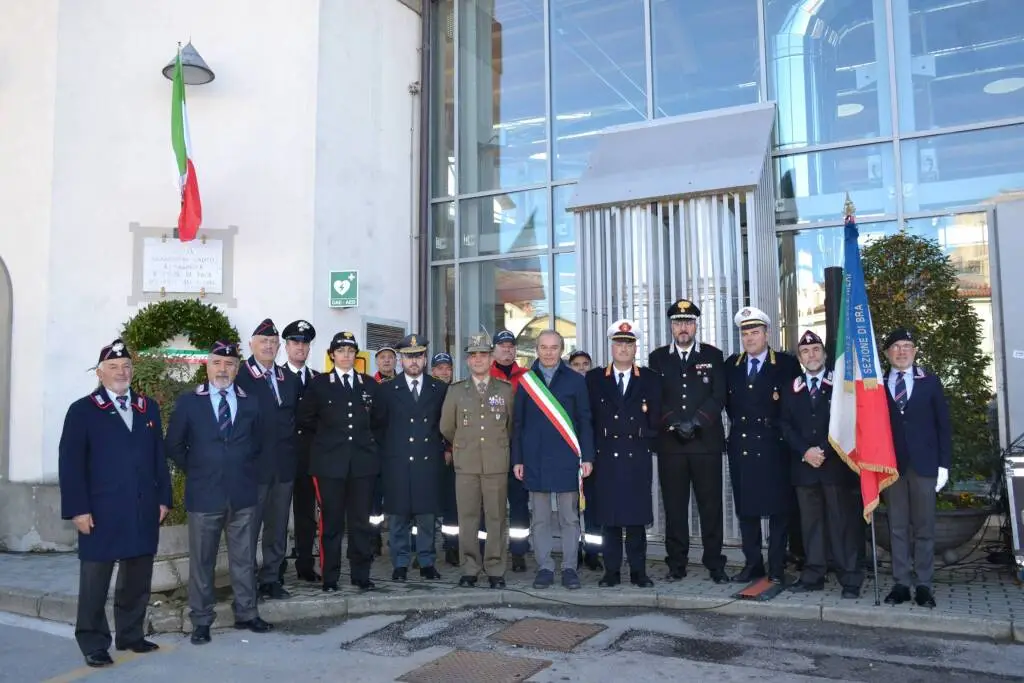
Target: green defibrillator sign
<point>344,288</point>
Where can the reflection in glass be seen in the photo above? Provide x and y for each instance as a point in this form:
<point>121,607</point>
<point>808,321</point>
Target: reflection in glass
<point>828,70</point>
<point>442,105</point>
<point>706,55</point>
<point>442,312</point>
<point>958,62</point>
<point>502,119</point>
<point>510,294</point>
<point>598,75</point>
<point>503,223</point>
<point>565,223</point>
<point>962,168</point>
<point>814,185</point>
<point>442,231</point>
<point>565,299</point>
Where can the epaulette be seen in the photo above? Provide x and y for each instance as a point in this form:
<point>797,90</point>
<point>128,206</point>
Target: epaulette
<point>203,390</point>
<point>798,384</point>
<point>828,378</point>
<point>100,399</point>
<point>140,403</point>
<point>240,393</point>
<point>502,379</point>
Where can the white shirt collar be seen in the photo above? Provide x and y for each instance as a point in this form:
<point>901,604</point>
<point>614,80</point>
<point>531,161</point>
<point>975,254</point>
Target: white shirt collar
<point>820,375</point>
<point>113,396</point>
<point>409,380</point>
<point>680,350</point>
<point>341,375</point>
<point>297,371</point>
<point>760,358</point>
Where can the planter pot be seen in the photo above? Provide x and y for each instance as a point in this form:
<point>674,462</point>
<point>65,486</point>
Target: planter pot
<point>953,528</point>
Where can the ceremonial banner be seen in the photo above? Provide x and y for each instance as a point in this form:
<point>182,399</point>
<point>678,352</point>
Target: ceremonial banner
<point>191,215</point>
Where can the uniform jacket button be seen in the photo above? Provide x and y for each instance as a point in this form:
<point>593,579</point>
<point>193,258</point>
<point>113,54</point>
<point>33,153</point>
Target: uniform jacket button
<point>411,439</point>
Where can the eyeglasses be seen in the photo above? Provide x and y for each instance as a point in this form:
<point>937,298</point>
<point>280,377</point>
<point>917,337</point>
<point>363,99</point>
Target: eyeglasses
<point>902,347</point>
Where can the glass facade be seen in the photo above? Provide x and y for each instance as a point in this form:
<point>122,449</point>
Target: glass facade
<point>914,107</point>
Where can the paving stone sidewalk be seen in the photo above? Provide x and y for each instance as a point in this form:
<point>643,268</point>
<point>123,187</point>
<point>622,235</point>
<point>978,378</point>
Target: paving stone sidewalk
<point>973,599</point>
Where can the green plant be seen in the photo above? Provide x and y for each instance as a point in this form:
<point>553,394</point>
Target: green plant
<point>161,377</point>
<point>911,283</point>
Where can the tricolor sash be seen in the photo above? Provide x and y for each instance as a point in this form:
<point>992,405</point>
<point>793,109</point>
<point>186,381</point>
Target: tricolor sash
<point>555,413</point>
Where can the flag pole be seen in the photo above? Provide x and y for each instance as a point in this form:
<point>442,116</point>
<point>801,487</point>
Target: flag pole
<point>874,558</point>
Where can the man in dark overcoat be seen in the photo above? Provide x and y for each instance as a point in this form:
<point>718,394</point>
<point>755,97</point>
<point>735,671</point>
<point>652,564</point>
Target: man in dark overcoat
<point>441,370</point>
<point>692,441</point>
<point>821,478</point>
<point>277,393</point>
<point>298,335</point>
<point>412,459</point>
<point>626,405</point>
<point>759,466</point>
<point>923,441</point>
<point>339,408</point>
<point>215,438</point>
<point>116,489</point>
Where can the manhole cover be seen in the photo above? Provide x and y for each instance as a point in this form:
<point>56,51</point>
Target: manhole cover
<point>548,634</point>
<point>462,666</point>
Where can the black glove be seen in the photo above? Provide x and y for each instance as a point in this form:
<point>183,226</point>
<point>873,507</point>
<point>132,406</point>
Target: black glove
<point>683,429</point>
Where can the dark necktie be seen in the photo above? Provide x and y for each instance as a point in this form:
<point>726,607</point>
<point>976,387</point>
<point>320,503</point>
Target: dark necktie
<point>683,357</point>
<point>752,375</point>
<point>814,390</point>
<point>224,413</point>
<point>302,376</point>
<point>900,391</point>
<point>415,390</point>
<point>122,402</point>
<point>344,380</point>
<point>621,385</point>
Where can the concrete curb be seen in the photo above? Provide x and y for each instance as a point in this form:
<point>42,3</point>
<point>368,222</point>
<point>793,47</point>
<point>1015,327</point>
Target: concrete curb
<point>167,619</point>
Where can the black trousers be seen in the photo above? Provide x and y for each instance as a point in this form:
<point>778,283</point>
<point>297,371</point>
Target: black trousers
<point>795,529</point>
<point>345,503</point>
<point>636,548</point>
<point>676,472</point>
<point>750,530</point>
<point>518,517</point>
<point>131,597</point>
<point>449,511</point>
<point>304,511</point>
<point>825,514</point>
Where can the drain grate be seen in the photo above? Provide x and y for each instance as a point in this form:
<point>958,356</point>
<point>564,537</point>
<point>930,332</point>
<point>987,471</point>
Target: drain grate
<point>548,634</point>
<point>462,666</point>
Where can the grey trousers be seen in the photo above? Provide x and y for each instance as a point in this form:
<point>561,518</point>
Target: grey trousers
<point>545,521</point>
<point>272,512</point>
<point>204,530</point>
<point>910,504</point>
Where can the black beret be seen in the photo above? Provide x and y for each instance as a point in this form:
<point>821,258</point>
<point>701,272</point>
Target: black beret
<point>898,335</point>
<point>223,347</point>
<point>265,329</point>
<point>115,349</point>
<point>809,338</point>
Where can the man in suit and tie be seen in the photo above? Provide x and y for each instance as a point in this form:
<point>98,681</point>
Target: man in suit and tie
<point>821,478</point>
<point>922,437</point>
<point>277,393</point>
<point>692,441</point>
<point>116,489</point>
<point>298,335</point>
<point>214,437</point>
<point>412,459</point>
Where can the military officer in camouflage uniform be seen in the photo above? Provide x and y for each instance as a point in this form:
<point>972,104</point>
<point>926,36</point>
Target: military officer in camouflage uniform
<point>477,419</point>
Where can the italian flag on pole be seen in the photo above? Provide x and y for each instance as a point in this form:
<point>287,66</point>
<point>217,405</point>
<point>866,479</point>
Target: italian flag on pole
<point>859,419</point>
<point>191,216</point>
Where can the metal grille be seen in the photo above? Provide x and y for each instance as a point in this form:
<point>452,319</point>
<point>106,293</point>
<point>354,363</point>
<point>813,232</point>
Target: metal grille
<point>462,666</point>
<point>378,335</point>
<point>548,634</point>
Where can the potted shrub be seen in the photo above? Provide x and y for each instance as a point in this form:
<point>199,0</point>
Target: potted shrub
<point>912,283</point>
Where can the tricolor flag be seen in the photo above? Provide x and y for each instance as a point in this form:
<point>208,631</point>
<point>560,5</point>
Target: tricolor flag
<point>191,216</point>
<point>859,422</point>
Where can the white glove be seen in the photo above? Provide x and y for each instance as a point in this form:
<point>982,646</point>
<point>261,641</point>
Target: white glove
<point>941,480</point>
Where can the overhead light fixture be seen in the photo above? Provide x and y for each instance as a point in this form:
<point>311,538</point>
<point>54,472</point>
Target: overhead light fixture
<point>194,70</point>
<point>849,109</point>
<point>1004,86</point>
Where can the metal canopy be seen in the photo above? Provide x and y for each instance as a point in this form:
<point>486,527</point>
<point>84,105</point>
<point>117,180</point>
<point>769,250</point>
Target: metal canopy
<point>675,157</point>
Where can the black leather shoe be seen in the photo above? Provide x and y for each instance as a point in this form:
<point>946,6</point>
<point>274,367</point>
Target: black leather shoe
<point>676,574</point>
<point>308,575</point>
<point>141,646</point>
<point>98,659</point>
<point>749,573</point>
<point>777,577</point>
<point>364,584</point>
<point>274,591</point>
<point>518,563</point>
<point>496,581</point>
<point>719,576</point>
<point>592,562</point>
<point>807,587</point>
<point>400,574</point>
<point>467,582</point>
<point>610,579</point>
<point>640,580</point>
<point>451,556</point>
<point>851,592</point>
<point>430,572</point>
<point>898,595</point>
<point>200,635</point>
<point>330,588</point>
<point>256,625</point>
<point>924,597</point>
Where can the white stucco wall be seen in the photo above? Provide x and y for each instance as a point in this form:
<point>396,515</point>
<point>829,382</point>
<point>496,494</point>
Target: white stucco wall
<point>302,141</point>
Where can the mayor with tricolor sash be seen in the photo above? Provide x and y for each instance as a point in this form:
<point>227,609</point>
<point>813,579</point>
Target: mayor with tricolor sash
<point>552,451</point>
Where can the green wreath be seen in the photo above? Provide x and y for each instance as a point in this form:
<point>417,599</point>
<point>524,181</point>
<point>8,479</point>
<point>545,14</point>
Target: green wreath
<point>145,333</point>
